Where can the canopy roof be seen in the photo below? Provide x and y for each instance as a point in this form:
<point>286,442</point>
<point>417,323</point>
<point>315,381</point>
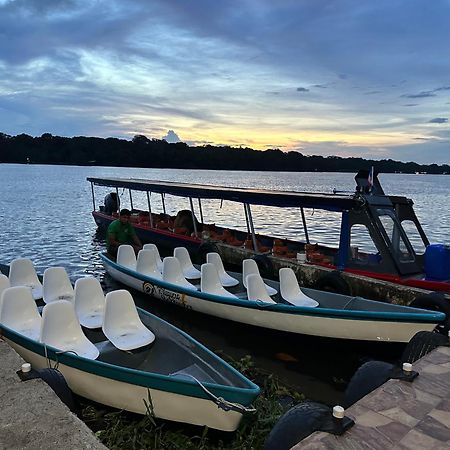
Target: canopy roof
<point>330,202</point>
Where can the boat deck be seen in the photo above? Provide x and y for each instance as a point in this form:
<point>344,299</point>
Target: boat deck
<point>399,415</point>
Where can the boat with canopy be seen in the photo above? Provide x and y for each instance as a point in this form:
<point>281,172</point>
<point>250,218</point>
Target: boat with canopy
<point>382,251</point>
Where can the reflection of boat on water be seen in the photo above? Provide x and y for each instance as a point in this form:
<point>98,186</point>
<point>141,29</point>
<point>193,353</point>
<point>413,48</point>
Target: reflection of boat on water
<point>288,307</point>
<point>125,362</point>
<point>382,252</point>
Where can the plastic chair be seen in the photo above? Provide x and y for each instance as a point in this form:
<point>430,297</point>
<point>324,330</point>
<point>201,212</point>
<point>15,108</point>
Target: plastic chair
<point>249,266</point>
<point>4,284</point>
<point>225,279</point>
<point>61,329</point>
<point>256,289</point>
<point>122,325</point>
<point>89,302</point>
<point>19,312</point>
<point>172,273</point>
<point>147,263</point>
<point>290,290</point>
<point>126,256</point>
<point>57,285</point>
<point>23,273</point>
<point>188,269</point>
<point>210,282</point>
<point>158,257</point>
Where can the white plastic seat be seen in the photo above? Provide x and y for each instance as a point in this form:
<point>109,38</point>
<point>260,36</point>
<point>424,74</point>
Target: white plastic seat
<point>172,273</point>
<point>210,281</point>
<point>23,273</point>
<point>249,266</point>
<point>290,290</point>
<point>188,269</point>
<point>147,263</point>
<point>126,256</point>
<point>19,311</point>
<point>225,279</point>
<point>122,325</point>
<point>89,302</point>
<point>256,289</point>
<point>57,285</point>
<point>61,329</point>
<point>4,284</point>
<point>158,257</point>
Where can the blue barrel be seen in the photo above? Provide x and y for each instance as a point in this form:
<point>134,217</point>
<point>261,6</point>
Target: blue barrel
<point>437,262</point>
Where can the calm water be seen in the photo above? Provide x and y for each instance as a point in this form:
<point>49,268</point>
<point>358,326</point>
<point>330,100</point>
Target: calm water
<point>46,216</point>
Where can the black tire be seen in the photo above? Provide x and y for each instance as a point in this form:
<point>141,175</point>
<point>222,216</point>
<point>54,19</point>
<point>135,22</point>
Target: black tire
<point>204,249</point>
<point>265,266</point>
<point>421,344</point>
<point>297,424</point>
<point>368,377</point>
<point>55,379</point>
<point>333,282</point>
<point>435,301</point>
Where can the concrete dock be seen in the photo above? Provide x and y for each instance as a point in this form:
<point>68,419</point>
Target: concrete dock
<point>32,416</point>
<point>399,415</point>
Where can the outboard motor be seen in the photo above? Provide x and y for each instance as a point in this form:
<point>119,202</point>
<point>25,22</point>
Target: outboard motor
<point>437,262</point>
<point>111,203</point>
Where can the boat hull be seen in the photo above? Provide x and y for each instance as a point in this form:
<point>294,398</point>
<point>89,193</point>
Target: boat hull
<point>260,315</point>
<point>133,398</point>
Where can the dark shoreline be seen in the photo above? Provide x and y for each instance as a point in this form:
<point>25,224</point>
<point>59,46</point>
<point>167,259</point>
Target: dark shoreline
<point>142,152</point>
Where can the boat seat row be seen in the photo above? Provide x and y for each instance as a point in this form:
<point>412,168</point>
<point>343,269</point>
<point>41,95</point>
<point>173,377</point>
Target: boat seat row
<point>56,284</point>
<point>214,279</point>
<point>60,326</point>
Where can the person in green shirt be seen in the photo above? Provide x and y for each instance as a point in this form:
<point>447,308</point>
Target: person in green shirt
<point>121,232</point>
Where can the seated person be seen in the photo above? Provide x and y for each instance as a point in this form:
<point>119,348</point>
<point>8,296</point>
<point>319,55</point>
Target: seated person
<point>111,203</point>
<point>122,232</point>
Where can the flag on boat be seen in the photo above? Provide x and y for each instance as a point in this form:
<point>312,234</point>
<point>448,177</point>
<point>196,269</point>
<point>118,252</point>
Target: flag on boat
<point>370,179</point>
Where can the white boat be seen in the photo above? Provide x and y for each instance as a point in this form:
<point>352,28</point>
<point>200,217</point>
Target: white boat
<point>136,361</point>
<point>281,306</point>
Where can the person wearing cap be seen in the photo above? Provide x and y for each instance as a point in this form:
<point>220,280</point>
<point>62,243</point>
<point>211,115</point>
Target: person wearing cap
<point>121,232</point>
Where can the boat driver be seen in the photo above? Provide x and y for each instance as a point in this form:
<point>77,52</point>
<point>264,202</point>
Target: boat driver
<point>122,232</point>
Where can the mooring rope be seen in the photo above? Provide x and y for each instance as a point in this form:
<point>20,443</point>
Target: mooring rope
<point>221,402</point>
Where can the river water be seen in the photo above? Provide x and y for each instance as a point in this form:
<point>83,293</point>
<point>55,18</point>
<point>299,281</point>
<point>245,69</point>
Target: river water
<point>45,215</point>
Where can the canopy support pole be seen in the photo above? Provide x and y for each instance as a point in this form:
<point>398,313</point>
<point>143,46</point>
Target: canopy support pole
<point>252,228</point>
<point>193,216</point>
<point>118,198</point>
<point>304,225</point>
<point>246,218</point>
<point>200,209</point>
<point>344,241</point>
<point>131,200</point>
<point>149,209</point>
<point>163,203</point>
<point>93,197</point>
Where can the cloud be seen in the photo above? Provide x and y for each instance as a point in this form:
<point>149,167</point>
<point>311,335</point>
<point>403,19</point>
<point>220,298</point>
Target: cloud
<point>438,120</point>
<point>225,72</point>
<point>171,137</point>
<point>423,94</point>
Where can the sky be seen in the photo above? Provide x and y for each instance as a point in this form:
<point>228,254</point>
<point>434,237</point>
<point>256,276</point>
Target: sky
<point>324,77</point>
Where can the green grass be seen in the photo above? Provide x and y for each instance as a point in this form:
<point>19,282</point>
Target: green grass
<point>119,429</point>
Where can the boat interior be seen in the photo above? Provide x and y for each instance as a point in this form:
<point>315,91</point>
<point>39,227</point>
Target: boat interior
<point>278,247</point>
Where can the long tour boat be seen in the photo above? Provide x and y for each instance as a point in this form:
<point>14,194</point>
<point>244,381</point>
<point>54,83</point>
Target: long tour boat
<point>374,256</point>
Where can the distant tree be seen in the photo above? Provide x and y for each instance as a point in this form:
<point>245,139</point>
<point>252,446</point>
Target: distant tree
<point>140,139</point>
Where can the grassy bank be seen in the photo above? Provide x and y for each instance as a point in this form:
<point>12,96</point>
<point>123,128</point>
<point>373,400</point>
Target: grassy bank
<point>118,430</point>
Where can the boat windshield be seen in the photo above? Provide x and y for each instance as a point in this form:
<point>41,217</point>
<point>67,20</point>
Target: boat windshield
<point>398,240</point>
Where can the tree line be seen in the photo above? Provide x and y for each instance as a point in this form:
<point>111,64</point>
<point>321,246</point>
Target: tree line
<point>156,153</point>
